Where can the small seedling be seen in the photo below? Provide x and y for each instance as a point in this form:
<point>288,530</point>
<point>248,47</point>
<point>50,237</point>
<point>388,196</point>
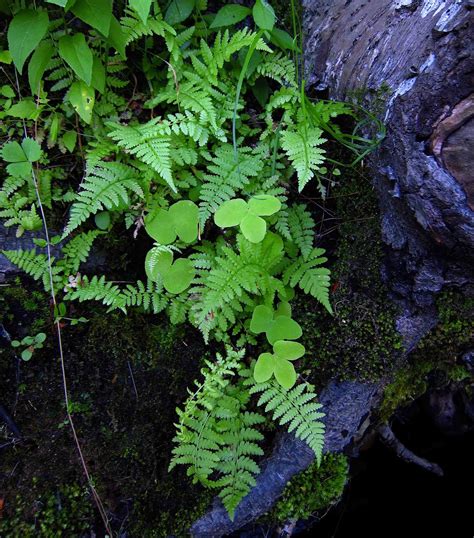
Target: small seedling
<point>32,343</point>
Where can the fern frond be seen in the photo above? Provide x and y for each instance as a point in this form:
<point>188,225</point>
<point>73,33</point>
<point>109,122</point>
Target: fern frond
<point>134,28</point>
<point>149,143</point>
<point>303,151</point>
<point>278,67</point>
<point>225,176</point>
<point>150,296</point>
<point>311,278</point>
<point>295,409</point>
<point>35,265</point>
<point>77,251</point>
<point>97,289</point>
<point>107,186</point>
<point>301,227</point>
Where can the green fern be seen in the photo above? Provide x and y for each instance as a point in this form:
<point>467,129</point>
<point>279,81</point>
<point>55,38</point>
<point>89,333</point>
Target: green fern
<point>35,265</point>
<point>107,186</point>
<point>302,148</point>
<point>301,228</point>
<point>97,289</point>
<point>310,277</point>
<point>77,251</point>
<point>295,409</point>
<point>225,176</point>
<point>149,143</point>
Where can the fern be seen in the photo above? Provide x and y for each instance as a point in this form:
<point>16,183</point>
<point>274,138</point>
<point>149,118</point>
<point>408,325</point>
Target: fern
<point>97,289</point>
<point>301,228</point>
<point>302,148</point>
<point>35,265</point>
<point>107,186</point>
<point>224,289</point>
<point>225,176</point>
<point>149,297</point>
<point>77,250</point>
<point>311,278</point>
<point>279,68</point>
<point>216,434</point>
<point>134,28</point>
<point>295,409</point>
<point>149,143</point>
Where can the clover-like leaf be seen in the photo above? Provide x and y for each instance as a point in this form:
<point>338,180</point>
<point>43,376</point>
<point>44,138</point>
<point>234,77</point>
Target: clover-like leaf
<point>262,318</point>
<point>176,277</point>
<point>254,228</point>
<point>285,373</point>
<point>231,213</point>
<point>283,309</point>
<point>264,205</point>
<point>248,216</point>
<point>181,220</point>
<point>289,351</point>
<point>283,328</point>
<point>264,367</point>
<point>179,276</point>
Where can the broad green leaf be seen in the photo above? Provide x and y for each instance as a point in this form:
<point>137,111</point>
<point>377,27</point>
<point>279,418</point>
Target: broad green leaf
<point>102,220</point>
<point>12,152</point>
<point>285,373</point>
<point>37,65</point>
<point>283,309</point>
<point>69,140</point>
<point>81,97</point>
<point>5,57</point>
<point>185,217</point>
<point>31,149</point>
<point>288,350</point>
<point>178,11</point>
<point>254,228</point>
<point>229,15</point>
<point>157,263</point>
<point>264,205</point>
<point>98,75</point>
<point>7,91</point>
<point>283,328</point>
<point>283,39</point>
<point>231,213</point>
<point>117,37</point>
<point>76,53</point>
<point>264,367</point>
<point>66,4</point>
<point>97,13</point>
<point>262,318</point>
<point>142,7</point>
<point>160,226</point>
<point>25,109</point>
<point>263,15</point>
<point>25,31</point>
<point>179,276</point>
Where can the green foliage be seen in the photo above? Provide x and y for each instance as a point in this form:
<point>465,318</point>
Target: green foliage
<point>165,115</point>
<point>315,489</point>
<point>31,343</point>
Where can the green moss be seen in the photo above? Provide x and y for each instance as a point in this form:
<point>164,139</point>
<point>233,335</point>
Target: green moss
<point>313,489</point>
<point>360,340</point>
<point>66,511</point>
<point>438,352</point>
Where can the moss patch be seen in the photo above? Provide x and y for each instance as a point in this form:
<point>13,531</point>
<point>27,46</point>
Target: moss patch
<point>360,340</point>
<point>313,489</point>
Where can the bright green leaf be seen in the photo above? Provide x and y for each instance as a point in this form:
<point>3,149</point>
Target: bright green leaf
<point>185,218</point>
<point>285,373</point>
<point>32,149</point>
<point>288,350</point>
<point>13,153</point>
<point>82,98</point>
<point>157,263</point>
<point>264,205</point>
<point>98,75</point>
<point>41,337</point>
<point>25,109</point>
<point>179,277</point>
<point>97,13</point>
<point>76,53</point>
<point>160,226</point>
<point>25,31</point>
<point>38,63</point>
<point>26,354</point>
<point>5,57</point>
<point>142,7</point>
<point>178,11</point>
<point>264,367</point>
<point>283,39</point>
<point>283,328</point>
<point>231,213</point>
<point>262,318</point>
<point>117,37</point>
<point>263,15</point>
<point>283,309</point>
<point>254,228</point>
<point>230,15</point>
